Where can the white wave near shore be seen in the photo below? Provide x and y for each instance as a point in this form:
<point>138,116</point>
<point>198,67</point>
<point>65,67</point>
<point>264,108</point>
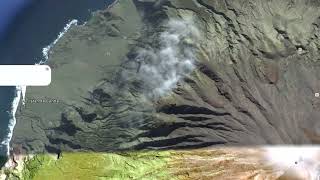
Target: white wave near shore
<point>20,91</point>
<point>12,122</point>
<point>46,50</point>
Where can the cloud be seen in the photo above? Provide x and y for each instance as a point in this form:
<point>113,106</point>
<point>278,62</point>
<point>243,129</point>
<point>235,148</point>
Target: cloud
<point>304,160</point>
<point>162,67</point>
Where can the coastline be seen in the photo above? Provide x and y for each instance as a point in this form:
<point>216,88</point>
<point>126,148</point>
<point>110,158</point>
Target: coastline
<point>193,124</point>
<point>46,50</point>
<point>20,91</point>
<point>12,121</point>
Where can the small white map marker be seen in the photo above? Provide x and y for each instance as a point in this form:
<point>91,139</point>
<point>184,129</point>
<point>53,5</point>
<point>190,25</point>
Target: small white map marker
<point>317,94</point>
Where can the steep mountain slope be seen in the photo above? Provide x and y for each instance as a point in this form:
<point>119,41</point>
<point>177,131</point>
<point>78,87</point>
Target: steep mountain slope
<point>180,74</point>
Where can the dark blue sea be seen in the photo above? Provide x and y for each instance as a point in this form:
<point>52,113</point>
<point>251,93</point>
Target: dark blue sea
<point>26,27</point>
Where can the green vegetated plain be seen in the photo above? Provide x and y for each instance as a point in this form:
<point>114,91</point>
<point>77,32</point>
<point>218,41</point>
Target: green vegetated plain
<point>87,166</point>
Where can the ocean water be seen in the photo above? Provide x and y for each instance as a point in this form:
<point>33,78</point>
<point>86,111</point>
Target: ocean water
<point>27,29</point>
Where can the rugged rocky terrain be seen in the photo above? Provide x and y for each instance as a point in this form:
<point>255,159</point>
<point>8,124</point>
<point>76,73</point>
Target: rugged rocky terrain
<point>174,75</point>
<point>224,164</point>
<point>180,74</point>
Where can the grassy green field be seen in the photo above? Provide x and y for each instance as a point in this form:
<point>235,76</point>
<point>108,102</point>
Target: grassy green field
<point>87,166</point>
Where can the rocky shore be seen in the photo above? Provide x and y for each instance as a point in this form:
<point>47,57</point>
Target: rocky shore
<point>175,75</point>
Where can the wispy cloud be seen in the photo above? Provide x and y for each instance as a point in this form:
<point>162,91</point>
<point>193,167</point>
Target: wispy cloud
<point>162,67</point>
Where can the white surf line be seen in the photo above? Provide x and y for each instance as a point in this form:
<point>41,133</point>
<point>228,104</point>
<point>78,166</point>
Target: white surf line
<point>23,94</point>
<point>12,121</point>
<point>46,50</point>
<point>20,91</point>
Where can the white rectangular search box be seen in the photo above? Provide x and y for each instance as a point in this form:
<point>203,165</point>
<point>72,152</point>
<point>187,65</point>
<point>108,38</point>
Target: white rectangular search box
<point>25,75</point>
